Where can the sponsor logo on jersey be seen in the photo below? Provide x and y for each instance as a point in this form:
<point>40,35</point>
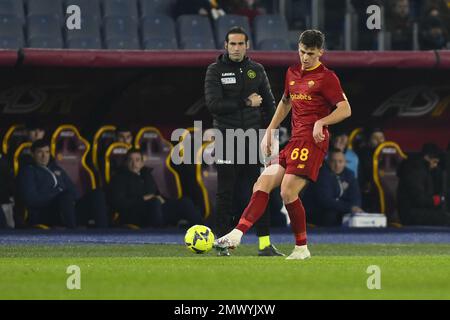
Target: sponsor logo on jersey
<point>300,96</point>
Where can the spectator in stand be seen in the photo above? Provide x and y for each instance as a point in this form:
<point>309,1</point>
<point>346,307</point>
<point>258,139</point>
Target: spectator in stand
<point>365,170</point>
<point>335,193</point>
<point>399,23</point>
<point>248,8</point>
<point>439,8</point>
<point>433,30</point>
<point>208,8</point>
<point>135,195</point>
<point>419,201</point>
<point>51,197</point>
<point>124,134</point>
<point>47,190</point>
<point>36,132</point>
<point>340,142</point>
<point>6,194</point>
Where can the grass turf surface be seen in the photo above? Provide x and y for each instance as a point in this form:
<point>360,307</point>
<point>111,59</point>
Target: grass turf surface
<point>336,271</point>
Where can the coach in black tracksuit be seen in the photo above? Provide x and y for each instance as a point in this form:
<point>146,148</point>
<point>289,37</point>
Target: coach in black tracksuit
<point>238,95</point>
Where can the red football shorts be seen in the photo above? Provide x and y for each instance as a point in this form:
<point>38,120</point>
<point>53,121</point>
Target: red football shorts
<point>302,158</point>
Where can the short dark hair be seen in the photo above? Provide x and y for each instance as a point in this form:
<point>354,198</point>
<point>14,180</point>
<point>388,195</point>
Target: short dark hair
<point>431,150</point>
<point>333,150</point>
<point>38,144</point>
<point>312,39</point>
<point>134,150</point>
<point>236,30</point>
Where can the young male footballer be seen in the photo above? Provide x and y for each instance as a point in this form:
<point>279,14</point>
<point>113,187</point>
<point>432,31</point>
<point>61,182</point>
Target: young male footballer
<point>311,91</point>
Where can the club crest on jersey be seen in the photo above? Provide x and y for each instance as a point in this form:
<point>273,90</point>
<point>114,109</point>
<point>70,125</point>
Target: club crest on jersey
<point>311,84</point>
<point>291,83</point>
<point>251,74</point>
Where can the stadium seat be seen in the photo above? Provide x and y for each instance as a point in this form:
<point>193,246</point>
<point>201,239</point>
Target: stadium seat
<point>20,211</point>
<point>274,45</point>
<point>11,43</point>
<point>52,8</point>
<point>386,159</point>
<point>158,32</point>
<point>269,27</point>
<point>84,43</point>
<point>11,32</point>
<point>123,43</point>
<point>14,136</point>
<point>103,138</point>
<point>161,44</point>
<point>88,37</point>
<point>225,23</point>
<point>114,157</point>
<point>12,8</point>
<point>152,7</point>
<point>197,44</point>
<point>45,43</point>
<point>23,148</point>
<point>90,27</point>
<point>121,33</point>
<point>355,139</point>
<point>70,149</point>
<point>89,8</point>
<point>195,32</point>
<point>185,166</point>
<point>120,8</point>
<point>44,31</point>
<point>156,152</point>
<point>206,175</point>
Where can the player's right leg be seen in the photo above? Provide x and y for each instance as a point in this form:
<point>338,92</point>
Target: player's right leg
<point>270,178</point>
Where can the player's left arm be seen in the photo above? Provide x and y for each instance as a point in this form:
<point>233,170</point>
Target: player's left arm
<point>333,93</point>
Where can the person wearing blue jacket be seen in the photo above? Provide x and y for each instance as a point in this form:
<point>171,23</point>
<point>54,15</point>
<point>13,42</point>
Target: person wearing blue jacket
<point>335,193</point>
<point>46,189</point>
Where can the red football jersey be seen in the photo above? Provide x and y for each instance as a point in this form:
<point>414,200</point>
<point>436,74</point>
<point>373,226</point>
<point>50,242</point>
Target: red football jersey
<point>313,93</point>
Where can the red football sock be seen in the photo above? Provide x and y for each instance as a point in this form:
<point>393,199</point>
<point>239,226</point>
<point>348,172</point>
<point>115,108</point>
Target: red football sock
<point>298,221</point>
<point>255,209</point>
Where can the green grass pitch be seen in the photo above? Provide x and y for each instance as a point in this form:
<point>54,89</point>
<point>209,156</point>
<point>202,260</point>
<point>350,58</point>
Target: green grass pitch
<point>336,271</point>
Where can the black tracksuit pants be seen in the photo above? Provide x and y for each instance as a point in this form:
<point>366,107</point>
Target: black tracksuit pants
<point>234,190</point>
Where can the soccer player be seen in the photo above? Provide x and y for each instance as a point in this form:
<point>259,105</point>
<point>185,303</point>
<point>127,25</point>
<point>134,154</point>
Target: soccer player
<point>238,96</point>
<point>311,91</point>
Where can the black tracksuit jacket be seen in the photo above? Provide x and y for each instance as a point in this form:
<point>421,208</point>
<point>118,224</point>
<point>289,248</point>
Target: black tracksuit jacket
<point>228,84</point>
